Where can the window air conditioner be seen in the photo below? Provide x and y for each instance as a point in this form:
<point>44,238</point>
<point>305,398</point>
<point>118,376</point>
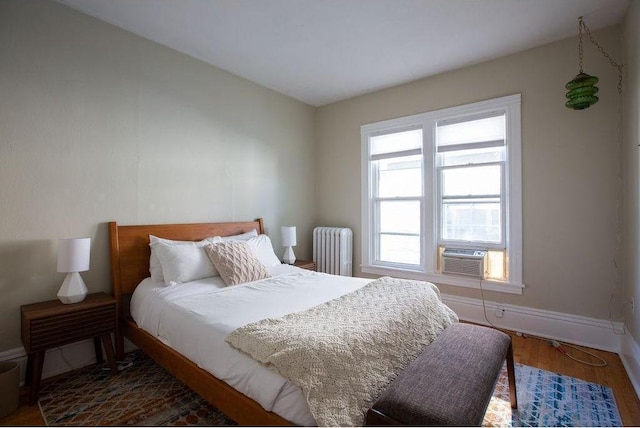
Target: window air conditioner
<point>464,261</point>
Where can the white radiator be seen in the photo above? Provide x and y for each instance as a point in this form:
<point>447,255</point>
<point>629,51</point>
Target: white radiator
<point>332,250</point>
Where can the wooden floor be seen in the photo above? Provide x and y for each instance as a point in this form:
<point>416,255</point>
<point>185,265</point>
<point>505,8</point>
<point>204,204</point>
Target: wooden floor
<point>539,353</point>
<point>527,350</point>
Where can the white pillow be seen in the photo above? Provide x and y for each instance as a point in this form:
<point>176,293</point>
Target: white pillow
<point>261,245</point>
<point>241,237</point>
<point>185,262</point>
<point>155,269</point>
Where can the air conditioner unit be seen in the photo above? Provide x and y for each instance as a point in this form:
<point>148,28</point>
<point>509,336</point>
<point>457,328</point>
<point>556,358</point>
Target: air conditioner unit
<point>464,261</point>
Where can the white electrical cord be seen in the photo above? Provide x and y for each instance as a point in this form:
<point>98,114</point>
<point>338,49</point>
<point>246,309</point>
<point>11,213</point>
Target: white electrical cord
<point>559,346</point>
<point>484,308</point>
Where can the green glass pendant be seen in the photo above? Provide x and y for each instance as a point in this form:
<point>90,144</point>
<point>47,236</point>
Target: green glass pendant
<point>582,91</point>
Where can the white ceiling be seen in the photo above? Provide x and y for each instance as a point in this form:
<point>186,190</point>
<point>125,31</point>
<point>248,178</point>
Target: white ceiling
<point>322,51</point>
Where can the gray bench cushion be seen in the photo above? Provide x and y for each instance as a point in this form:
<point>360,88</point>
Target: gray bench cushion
<point>450,383</point>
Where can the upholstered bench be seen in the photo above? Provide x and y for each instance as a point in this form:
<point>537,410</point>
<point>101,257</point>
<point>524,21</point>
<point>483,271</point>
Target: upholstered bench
<point>450,383</point>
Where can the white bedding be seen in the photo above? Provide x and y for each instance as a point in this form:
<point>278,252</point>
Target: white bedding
<point>195,317</point>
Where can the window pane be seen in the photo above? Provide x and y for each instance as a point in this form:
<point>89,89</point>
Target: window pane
<point>400,176</point>
<point>400,249</point>
<point>473,131</point>
<point>400,217</point>
<point>471,221</point>
<point>465,157</point>
<point>472,181</point>
<point>396,142</point>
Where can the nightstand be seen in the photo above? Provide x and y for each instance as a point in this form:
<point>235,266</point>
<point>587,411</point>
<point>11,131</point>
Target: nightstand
<point>51,324</point>
<point>305,264</point>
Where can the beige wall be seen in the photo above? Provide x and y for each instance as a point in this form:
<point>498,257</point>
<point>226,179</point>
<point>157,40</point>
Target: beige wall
<point>571,182</point>
<point>631,164</point>
<point>97,124</point>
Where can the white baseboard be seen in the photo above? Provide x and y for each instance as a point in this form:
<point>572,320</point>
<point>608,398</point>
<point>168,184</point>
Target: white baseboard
<point>630,356</point>
<point>59,360</point>
<point>579,330</point>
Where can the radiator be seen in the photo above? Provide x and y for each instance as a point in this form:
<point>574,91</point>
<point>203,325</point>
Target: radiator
<point>332,250</point>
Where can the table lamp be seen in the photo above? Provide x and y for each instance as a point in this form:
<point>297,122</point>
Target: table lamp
<point>73,258</point>
<point>288,241</point>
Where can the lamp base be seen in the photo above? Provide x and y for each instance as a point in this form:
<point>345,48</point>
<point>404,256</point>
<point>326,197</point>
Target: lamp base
<point>73,289</point>
<point>288,256</point>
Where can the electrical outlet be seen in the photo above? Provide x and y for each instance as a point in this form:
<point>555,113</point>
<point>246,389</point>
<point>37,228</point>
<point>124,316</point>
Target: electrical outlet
<point>499,312</point>
<point>633,304</point>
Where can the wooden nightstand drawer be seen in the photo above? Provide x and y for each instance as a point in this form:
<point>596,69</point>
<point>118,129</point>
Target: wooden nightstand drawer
<point>50,324</point>
<point>57,330</point>
<point>305,264</point>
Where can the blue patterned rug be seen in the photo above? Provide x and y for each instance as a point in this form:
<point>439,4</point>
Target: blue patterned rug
<point>551,399</point>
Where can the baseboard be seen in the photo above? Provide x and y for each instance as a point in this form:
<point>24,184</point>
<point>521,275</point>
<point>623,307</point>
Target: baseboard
<point>630,357</point>
<point>575,329</point>
<point>59,360</point>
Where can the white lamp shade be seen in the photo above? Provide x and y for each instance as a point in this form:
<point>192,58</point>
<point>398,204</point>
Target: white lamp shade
<point>288,236</point>
<point>74,254</point>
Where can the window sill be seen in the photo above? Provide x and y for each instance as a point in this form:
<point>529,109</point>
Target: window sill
<point>437,278</point>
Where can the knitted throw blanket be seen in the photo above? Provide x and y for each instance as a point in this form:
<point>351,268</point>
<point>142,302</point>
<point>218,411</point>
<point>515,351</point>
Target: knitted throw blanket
<point>345,352</point>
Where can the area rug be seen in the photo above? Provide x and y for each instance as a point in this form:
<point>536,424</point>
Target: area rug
<point>142,394</point>
<point>550,399</point>
<point>145,394</point>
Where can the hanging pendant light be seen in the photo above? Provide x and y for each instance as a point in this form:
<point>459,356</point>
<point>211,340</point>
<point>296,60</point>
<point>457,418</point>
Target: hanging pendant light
<point>582,89</point>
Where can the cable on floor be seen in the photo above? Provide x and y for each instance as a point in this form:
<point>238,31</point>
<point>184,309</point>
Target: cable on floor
<point>560,347</point>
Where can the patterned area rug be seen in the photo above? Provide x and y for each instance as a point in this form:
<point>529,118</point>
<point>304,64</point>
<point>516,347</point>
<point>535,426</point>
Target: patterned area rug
<point>550,399</point>
<point>145,394</point>
<point>142,393</point>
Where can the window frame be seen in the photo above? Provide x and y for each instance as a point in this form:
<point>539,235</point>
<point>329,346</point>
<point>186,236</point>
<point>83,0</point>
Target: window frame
<point>431,195</point>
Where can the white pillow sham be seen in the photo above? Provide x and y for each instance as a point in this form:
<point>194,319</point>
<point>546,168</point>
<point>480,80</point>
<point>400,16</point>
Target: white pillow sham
<point>155,269</point>
<point>241,237</point>
<point>261,245</point>
<point>185,262</point>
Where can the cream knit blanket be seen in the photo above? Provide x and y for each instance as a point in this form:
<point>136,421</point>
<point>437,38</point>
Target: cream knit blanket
<point>344,353</point>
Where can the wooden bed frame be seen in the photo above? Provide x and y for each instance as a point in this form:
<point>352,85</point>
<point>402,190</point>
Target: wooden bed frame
<point>130,252</point>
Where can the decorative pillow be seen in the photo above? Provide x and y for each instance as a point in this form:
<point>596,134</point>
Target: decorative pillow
<point>185,262</point>
<point>155,269</point>
<point>263,248</point>
<point>236,262</point>
<point>241,237</point>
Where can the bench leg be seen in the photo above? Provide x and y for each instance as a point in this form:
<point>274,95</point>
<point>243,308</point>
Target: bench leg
<point>512,377</point>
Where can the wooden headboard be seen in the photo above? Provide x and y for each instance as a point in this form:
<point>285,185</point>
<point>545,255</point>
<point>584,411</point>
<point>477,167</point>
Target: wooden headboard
<point>130,252</point>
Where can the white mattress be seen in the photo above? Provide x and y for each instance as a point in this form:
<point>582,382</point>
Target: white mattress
<point>194,318</point>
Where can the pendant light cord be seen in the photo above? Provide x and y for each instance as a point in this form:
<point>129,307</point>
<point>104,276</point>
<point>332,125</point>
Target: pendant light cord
<point>581,26</point>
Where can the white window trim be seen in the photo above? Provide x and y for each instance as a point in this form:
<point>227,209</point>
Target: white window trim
<point>513,174</point>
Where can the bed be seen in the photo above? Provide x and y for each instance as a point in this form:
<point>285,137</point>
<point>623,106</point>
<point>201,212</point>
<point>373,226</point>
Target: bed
<point>130,255</point>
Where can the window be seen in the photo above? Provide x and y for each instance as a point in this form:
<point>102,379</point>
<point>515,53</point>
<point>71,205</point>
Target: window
<point>396,163</point>
<point>471,203</point>
<point>449,178</point>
